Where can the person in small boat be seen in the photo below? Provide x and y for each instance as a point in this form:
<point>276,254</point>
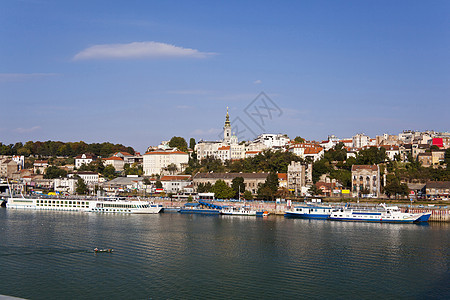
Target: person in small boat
<point>96,249</point>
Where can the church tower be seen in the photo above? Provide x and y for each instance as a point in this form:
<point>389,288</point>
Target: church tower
<point>227,129</point>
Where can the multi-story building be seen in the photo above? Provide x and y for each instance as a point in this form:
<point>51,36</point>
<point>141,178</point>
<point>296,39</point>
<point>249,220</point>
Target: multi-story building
<point>83,159</point>
<point>436,189</point>
<point>366,179</point>
<point>175,183</point>
<point>251,180</point>
<point>305,150</point>
<point>39,166</point>
<point>90,178</point>
<point>425,159</point>
<point>115,161</point>
<point>65,185</point>
<point>391,151</point>
<point>272,140</point>
<point>360,140</point>
<point>8,167</point>
<point>299,177</point>
<point>20,160</point>
<point>159,162</point>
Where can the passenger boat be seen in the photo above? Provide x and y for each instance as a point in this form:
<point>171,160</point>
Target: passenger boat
<point>238,211</point>
<point>111,205</point>
<point>242,211</point>
<point>384,214</point>
<point>309,211</point>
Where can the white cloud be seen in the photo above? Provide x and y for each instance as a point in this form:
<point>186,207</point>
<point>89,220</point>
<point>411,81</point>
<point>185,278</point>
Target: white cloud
<point>23,76</point>
<point>27,130</point>
<point>139,50</point>
<point>206,132</point>
<point>257,81</point>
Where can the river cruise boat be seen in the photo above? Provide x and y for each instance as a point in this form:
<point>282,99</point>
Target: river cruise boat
<point>309,211</point>
<point>384,214</point>
<point>115,205</point>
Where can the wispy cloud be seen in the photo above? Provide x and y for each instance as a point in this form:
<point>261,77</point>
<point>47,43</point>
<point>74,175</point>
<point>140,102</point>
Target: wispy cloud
<point>24,76</point>
<point>203,132</point>
<point>27,130</point>
<point>184,106</point>
<point>257,81</point>
<point>139,50</point>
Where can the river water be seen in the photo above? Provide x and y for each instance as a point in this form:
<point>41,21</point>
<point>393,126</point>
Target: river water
<point>48,255</point>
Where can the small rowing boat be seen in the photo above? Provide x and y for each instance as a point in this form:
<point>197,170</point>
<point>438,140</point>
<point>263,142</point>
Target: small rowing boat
<point>96,250</point>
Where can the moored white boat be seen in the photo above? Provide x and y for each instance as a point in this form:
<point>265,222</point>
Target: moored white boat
<point>309,211</point>
<point>238,211</point>
<point>85,205</point>
<point>385,214</point>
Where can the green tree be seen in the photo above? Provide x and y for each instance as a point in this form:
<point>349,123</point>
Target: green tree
<point>204,188</point>
<point>394,187</point>
<point>314,190</point>
<point>109,172</point>
<point>81,188</point>
<point>54,172</point>
<point>447,157</point>
<point>172,168</point>
<point>222,190</point>
<point>299,139</point>
<point>248,195</point>
<point>269,188</point>
<point>158,184</point>
<point>179,143</point>
<point>237,184</point>
<point>192,143</point>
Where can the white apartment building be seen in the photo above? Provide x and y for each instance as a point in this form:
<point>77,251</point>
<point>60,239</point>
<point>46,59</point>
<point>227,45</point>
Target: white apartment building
<point>157,161</point>
<point>67,185</point>
<point>90,178</point>
<point>272,140</point>
<point>360,140</point>
<point>83,159</point>
<point>175,183</point>
<point>305,150</point>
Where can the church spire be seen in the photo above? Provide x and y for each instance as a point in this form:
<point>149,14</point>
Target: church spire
<point>227,129</point>
<point>227,119</point>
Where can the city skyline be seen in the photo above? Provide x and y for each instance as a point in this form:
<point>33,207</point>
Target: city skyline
<point>140,73</point>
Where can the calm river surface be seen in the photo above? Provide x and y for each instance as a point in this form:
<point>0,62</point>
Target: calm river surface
<point>48,255</point>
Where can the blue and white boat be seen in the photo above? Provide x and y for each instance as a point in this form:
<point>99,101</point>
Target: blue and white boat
<point>309,211</point>
<point>384,214</point>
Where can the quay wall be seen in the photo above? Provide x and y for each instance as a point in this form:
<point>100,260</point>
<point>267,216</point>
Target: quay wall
<point>438,213</point>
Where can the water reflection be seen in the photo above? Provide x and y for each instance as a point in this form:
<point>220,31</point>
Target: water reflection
<point>191,256</point>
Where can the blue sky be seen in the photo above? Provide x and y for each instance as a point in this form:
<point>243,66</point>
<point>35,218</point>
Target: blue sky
<point>138,72</point>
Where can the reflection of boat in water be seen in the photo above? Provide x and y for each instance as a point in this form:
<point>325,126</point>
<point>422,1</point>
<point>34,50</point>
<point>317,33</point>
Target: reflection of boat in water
<point>96,250</point>
<point>309,211</point>
<point>385,214</point>
<point>104,205</point>
<point>242,211</point>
